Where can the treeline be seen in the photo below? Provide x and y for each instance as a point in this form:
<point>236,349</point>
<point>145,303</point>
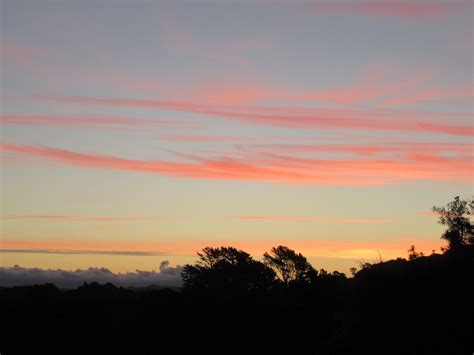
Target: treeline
<point>229,270</point>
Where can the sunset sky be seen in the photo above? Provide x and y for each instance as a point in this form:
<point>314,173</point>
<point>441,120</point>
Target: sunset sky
<point>136,132</point>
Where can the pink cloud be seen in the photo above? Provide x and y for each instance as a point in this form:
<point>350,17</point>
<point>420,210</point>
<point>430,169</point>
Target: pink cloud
<point>310,219</point>
<point>19,52</point>
<point>374,82</point>
<point>272,167</point>
<point>225,93</point>
<point>72,218</point>
<point>391,147</point>
<point>208,139</point>
<point>28,57</point>
<point>437,214</point>
<point>391,169</point>
<point>432,94</point>
<point>385,84</point>
<point>412,10</point>
<point>311,118</point>
<point>86,121</point>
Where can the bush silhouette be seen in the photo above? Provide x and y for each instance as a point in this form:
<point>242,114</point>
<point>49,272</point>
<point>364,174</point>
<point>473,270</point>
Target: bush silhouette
<point>456,217</point>
<point>413,254</point>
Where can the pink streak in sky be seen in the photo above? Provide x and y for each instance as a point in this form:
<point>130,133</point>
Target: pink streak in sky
<point>273,167</point>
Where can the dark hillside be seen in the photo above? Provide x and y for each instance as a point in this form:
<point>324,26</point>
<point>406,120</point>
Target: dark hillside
<point>422,306</point>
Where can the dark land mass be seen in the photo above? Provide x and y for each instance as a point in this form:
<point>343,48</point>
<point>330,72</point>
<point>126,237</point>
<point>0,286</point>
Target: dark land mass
<point>420,306</point>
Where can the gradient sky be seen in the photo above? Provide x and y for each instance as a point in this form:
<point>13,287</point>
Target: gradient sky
<point>155,128</point>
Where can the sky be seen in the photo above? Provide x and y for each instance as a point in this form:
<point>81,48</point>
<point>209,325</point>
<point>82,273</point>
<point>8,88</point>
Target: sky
<point>138,132</point>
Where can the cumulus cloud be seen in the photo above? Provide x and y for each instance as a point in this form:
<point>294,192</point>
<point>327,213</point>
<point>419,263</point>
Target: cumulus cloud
<point>20,276</point>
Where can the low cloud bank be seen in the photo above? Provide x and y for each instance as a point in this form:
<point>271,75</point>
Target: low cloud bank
<point>20,276</point>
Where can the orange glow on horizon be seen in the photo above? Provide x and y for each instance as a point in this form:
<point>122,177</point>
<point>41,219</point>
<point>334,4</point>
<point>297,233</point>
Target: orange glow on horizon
<point>333,249</point>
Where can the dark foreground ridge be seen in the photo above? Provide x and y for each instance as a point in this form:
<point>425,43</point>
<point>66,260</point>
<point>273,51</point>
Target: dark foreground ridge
<point>418,306</point>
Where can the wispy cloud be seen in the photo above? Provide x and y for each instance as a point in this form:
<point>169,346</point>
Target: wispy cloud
<point>310,219</point>
<point>209,138</point>
<point>29,58</point>
<point>437,214</point>
<point>302,118</point>
<point>407,10</point>
<point>273,167</point>
<point>233,92</point>
<point>385,83</point>
<point>324,247</point>
<point>71,218</point>
<point>88,247</point>
<point>435,94</point>
<point>385,148</point>
<point>374,81</point>
<point>86,252</point>
<point>89,121</point>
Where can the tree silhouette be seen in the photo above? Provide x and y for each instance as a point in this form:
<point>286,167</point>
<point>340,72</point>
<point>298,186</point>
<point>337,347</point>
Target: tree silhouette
<point>456,217</point>
<point>227,268</point>
<point>289,266</point>
<point>413,254</point>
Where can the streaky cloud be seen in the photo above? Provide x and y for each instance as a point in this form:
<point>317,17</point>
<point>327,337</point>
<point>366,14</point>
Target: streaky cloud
<point>85,252</point>
<point>385,84</point>
<point>353,118</point>
<point>432,94</point>
<point>387,147</point>
<point>71,218</point>
<point>310,219</point>
<point>208,138</point>
<point>322,247</point>
<point>274,167</point>
<point>87,121</point>
<point>404,10</point>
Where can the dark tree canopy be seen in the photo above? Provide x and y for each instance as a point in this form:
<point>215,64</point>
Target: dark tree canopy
<point>455,215</point>
<point>289,266</point>
<point>227,268</point>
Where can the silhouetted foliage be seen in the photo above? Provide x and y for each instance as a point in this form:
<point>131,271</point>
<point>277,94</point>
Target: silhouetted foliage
<point>227,268</point>
<point>364,264</point>
<point>290,267</point>
<point>413,254</point>
<point>456,217</point>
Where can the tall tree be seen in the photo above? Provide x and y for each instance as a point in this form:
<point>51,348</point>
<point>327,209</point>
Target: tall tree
<point>456,216</point>
<point>289,266</point>
<point>229,269</point>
